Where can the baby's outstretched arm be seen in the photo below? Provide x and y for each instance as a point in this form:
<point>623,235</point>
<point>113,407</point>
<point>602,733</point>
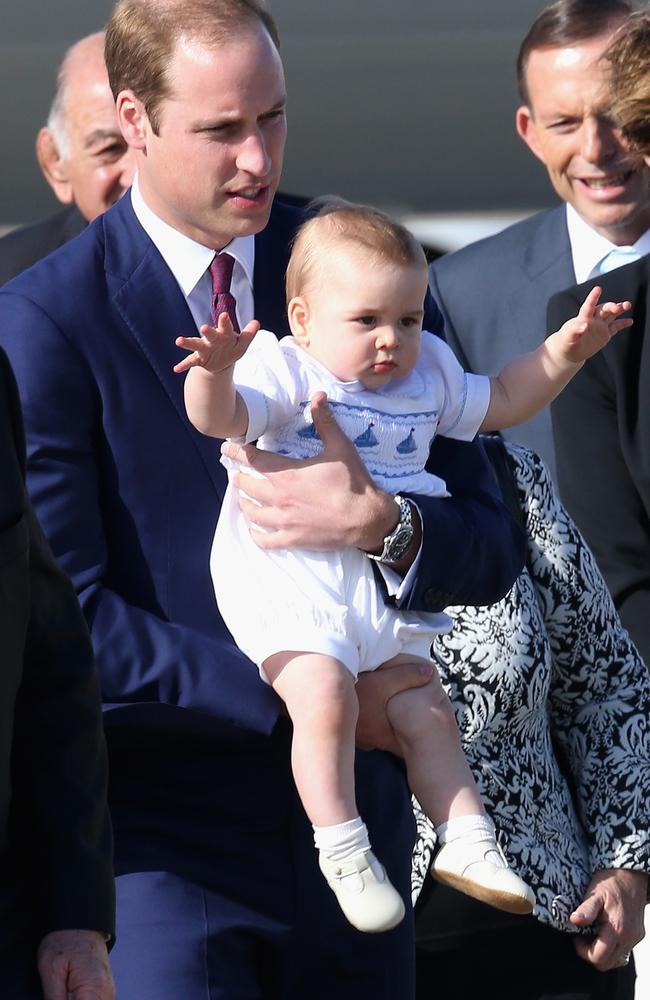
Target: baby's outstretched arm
<point>530,382</point>
<point>211,400</point>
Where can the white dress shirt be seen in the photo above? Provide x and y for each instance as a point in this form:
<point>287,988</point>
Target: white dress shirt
<point>588,247</point>
<point>189,262</point>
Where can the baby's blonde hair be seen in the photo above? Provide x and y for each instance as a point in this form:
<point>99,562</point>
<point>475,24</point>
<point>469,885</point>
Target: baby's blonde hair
<point>341,222</point>
<point>629,57</point>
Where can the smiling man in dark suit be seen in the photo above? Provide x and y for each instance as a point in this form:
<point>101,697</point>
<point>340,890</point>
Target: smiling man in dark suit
<point>602,427</point>
<point>81,153</point>
<point>493,294</point>
<point>218,889</point>
<point>55,843</point>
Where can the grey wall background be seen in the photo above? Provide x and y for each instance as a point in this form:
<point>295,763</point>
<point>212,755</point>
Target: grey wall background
<point>408,105</point>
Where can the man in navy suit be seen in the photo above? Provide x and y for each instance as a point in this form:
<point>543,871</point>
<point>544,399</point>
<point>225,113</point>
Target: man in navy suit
<point>493,294</point>
<point>218,887</point>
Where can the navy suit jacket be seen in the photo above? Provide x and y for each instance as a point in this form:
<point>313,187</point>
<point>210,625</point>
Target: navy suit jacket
<point>493,295</point>
<point>602,428</point>
<point>128,493</point>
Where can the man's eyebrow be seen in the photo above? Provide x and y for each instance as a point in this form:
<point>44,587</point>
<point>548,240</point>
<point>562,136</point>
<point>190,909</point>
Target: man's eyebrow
<point>233,118</point>
<point>280,103</point>
<point>100,134</point>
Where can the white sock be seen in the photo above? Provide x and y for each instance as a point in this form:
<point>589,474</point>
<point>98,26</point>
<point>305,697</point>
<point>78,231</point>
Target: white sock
<point>342,840</point>
<point>472,830</point>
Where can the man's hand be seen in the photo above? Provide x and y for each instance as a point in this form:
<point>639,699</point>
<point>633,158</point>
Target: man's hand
<point>327,502</point>
<point>75,963</point>
<point>613,906</point>
<point>374,690</point>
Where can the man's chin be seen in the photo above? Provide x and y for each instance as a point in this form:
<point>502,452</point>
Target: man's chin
<point>619,223</point>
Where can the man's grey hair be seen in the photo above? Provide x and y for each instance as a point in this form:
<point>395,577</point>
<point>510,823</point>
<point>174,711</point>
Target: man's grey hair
<point>56,119</point>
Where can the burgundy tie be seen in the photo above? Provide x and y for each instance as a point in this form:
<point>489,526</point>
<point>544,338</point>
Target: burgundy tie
<point>222,299</point>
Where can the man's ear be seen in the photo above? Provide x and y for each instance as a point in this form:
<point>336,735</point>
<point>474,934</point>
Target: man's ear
<point>298,313</point>
<point>53,166</point>
<point>132,119</point>
<point>527,129</point>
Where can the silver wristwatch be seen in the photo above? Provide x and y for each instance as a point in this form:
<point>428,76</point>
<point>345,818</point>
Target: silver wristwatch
<point>397,543</point>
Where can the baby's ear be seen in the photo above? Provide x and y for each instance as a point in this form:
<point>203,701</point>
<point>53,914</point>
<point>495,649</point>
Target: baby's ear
<point>298,314</point>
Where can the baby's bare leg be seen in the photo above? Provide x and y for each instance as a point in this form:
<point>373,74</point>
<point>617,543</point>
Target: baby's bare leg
<point>322,703</point>
<point>320,697</point>
<point>438,773</point>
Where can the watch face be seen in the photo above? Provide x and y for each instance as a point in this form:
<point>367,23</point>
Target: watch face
<point>400,543</point>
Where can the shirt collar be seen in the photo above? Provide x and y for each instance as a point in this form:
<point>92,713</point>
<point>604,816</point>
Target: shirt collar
<point>588,247</point>
<point>185,258</point>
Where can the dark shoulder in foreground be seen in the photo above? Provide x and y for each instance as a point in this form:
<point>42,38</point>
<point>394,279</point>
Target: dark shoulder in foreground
<point>628,282</point>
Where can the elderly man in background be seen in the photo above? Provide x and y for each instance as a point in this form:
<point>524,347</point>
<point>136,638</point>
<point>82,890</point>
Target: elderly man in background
<point>81,153</point>
<point>494,293</point>
<point>602,427</point>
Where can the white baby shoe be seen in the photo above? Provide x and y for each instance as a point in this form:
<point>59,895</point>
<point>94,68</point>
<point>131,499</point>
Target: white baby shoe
<point>481,870</point>
<point>364,892</point>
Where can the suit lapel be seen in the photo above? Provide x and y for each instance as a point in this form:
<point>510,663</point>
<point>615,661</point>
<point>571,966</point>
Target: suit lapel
<point>145,294</point>
<point>546,268</point>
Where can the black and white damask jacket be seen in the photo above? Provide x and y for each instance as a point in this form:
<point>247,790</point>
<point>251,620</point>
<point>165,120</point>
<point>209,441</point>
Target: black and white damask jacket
<point>553,705</point>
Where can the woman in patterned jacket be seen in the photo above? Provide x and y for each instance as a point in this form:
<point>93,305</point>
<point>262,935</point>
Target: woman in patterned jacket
<point>553,704</point>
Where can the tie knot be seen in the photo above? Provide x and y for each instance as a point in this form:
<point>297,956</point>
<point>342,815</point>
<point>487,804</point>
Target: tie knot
<point>618,257</point>
<point>221,273</point>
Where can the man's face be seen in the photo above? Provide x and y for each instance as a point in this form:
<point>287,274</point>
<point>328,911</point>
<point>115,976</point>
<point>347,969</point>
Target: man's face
<point>214,167</point>
<point>99,165</point>
<point>567,127</point>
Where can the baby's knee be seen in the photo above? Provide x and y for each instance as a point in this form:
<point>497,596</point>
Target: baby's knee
<point>420,707</point>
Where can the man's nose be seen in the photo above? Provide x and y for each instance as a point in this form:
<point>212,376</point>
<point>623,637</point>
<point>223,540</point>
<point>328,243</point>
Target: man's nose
<point>599,141</point>
<point>253,157</point>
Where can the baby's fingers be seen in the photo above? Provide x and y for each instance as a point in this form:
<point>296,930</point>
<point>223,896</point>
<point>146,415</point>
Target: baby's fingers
<point>588,307</point>
<point>610,309</point>
<point>617,325</point>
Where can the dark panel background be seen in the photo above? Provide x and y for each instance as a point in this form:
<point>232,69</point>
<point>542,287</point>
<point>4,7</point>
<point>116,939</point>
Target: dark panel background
<point>408,104</point>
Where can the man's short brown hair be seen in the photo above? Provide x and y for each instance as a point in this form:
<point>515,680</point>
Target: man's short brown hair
<point>565,23</point>
<point>339,222</point>
<point>141,36</point>
<point>629,56</point>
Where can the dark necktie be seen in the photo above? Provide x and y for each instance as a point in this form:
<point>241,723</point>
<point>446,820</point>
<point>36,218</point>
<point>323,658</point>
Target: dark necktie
<point>222,299</point>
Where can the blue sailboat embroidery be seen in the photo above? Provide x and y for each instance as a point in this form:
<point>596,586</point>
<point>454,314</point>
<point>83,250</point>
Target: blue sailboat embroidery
<point>367,439</point>
<point>408,445</point>
<point>309,432</point>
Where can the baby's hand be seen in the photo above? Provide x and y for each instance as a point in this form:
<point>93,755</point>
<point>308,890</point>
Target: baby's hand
<point>218,347</point>
<point>593,328</point>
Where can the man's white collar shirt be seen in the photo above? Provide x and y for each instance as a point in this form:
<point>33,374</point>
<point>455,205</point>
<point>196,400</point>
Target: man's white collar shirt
<point>588,247</point>
<point>189,262</point>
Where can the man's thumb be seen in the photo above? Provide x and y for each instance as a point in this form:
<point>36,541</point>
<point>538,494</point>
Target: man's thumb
<point>586,913</point>
<point>324,422</point>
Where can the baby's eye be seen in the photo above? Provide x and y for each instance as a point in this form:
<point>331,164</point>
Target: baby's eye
<point>366,320</point>
<point>409,321</point>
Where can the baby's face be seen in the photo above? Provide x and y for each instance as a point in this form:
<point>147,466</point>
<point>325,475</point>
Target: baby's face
<point>364,317</point>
